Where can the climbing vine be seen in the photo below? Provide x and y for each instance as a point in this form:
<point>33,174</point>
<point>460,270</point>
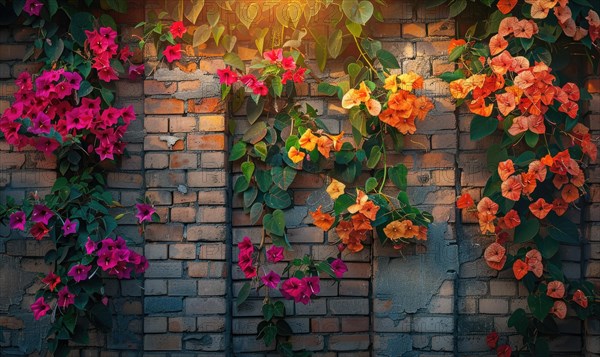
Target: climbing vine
<point>509,77</point>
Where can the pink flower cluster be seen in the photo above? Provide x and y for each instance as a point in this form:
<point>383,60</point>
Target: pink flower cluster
<point>48,112</point>
<point>102,44</point>
<point>40,216</point>
<point>287,68</point>
<point>116,258</point>
<point>246,258</point>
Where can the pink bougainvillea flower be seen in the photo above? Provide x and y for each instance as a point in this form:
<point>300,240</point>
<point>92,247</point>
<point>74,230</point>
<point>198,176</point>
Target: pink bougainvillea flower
<point>40,308</point>
<point>41,214</point>
<point>227,76</point>
<point>65,298</point>
<point>271,280</point>
<point>246,245</point>
<point>299,75</point>
<point>248,80</point>
<point>339,267</point>
<point>90,246</point>
<point>312,285</point>
<point>39,231</point>
<point>135,71</point>
<point>172,52</point>
<point>259,88</point>
<point>70,227</point>
<point>79,272</point>
<point>559,309</point>
<point>51,280</point>
<point>275,254</point>
<point>177,29</point>
<point>556,289</point>
<point>533,259</point>
<point>33,7</point>
<point>144,212</point>
<point>106,259</point>
<point>486,205</point>
<point>580,299</point>
<point>288,63</point>
<point>293,288</point>
<point>40,124</point>
<point>46,145</point>
<point>274,56</point>
<point>492,339</point>
<point>17,220</point>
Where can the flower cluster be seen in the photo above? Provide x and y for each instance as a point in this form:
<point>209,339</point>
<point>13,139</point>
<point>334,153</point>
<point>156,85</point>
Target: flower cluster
<point>101,43</point>
<point>47,115</point>
<point>309,141</point>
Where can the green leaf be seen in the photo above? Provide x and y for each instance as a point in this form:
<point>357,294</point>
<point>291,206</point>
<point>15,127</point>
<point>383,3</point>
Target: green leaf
<point>52,7</point>
<point>527,230</point>
<point>237,151</point>
<point>398,174</point>
<point>519,321</point>
<point>194,11</point>
<point>279,309</point>
<point>321,54</point>
<point>277,86</point>
<point>263,179</point>
<point>80,22</point>
<point>359,12</point>
<point>548,246</point>
<point>563,230</point>
<point>255,133</point>
<point>455,54</point>
<point>107,95</point>
<point>327,88</point>
<point>241,185</point>
<point>255,212</point>
<point>374,157</point>
<point>482,127</point>
<point>456,7</point>
<point>260,149</point>
<point>283,176</point>
<point>371,184</point>
<point>254,110</point>
<point>107,21</point>
<point>247,170</point>
<point>387,60</point>
<point>118,5</point>
<point>275,222</point>
<point>268,311</point>
<point>201,35</point>
<point>531,138</point>
<point>342,203</point>
<point>101,316</point>
<point>217,32</point>
<point>526,43</point>
<point>354,28</point>
<point>283,329</point>
<point>234,61</point>
<point>243,294</point>
<point>452,76</point>
<point>371,46</point>
<point>276,198</point>
<point>540,305</point>
<point>335,43</point>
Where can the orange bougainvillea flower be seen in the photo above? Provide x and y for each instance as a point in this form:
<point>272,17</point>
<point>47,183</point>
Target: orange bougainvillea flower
<point>406,125</point>
<point>391,83</point>
<point>559,206</point>
<point>559,309</point>
<point>486,222</point>
<point>556,289</point>
<point>354,97</point>
<point>520,269</point>
<point>580,299</point>
<point>422,235</point>
<point>395,230</point>
<point>336,141</point>
<point>369,209</point>
<point>495,256</point>
<point>536,124</point>
<point>505,169</point>
<point>308,141</point>
<point>296,155</point>
<point>529,183</point>
<point>459,88</point>
<point>569,193</point>
<point>479,107</point>
<point>507,26</point>
<point>547,160</point>
<point>506,6</point>
<point>343,230</point>
<point>525,29</point>
<point>501,63</point>
<point>533,259</point>
<point>455,43</point>
<point>524,80</point>
<point>421,107</point>
<point>324,145</point>
<point>407,81</point>
<point>486,205</point>
<point>465,201</point>
<point>361,199</point>
<point>390,117</point>
<point>401,101</point>
<point>506,103</point>
<point>559,180</point>
<point>570,108</point>
<point>373,107</point>
<point>335,189</point>
<point>538,169</point>
<point>512,188</point>
<point>511,219</point>
<point>519,125</point>
<point>497,44</point>
<point>322,220</point>
<point>361,223</point>
<point>540,208</point>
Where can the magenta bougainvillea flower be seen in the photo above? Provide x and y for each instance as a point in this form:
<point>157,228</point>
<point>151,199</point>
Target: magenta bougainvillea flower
<point>33,8</point>
<point>275,254</point>
<point>227,76</point>
<point>79,272</point>
<point>40,308</point>
<point>41,214</point>
<point>52,280</point>
<point>17,220</point>
<point>293,288</point>
<point>90,246</point>
<point>70,227</point>
<point>144,212</point>
<point>173,52</point>
<point>106,259</point>
<point>312,285</point>
<point>135,71</point>
<point>65,298</point>
<point>271,280</point>
<point>339,268</point>
<point>274,56</point>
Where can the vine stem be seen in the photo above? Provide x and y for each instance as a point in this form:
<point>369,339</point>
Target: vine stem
<point>385,167</point>
<point>363,54</point>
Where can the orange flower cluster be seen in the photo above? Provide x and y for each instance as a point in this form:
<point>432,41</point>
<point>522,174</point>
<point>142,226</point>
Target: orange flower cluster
<point>405,229</point>
<point>323,142</point>
<point>403,107</point>
<point>355,97</point>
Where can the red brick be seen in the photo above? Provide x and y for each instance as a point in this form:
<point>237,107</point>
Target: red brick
<point>206,142</point>
<point>164,232</point>
<point>183,214</point>
<point>12,52</point>
<point>212,123</point>
<point>182,124</point>
<point>206,106</point>
<point>206,179</point>
<point>163,106</point>
<point>213,214</point>
<point>12,160</point>
<point>19,68</point>
<point>441,28</point>
<point>162,342</point>
<point>198,269</point>
<point>156,124</point>
<point>355,324</point>
<point>324,324</point>
<point>413,30</point>
<point>188,86</point>
<point>152,87</point>
<point>183,160</point>
<point>182,251</point>
<point>11,323</point>
<point>386,29</point>
<point>349,342</point>
<point>156,161</point>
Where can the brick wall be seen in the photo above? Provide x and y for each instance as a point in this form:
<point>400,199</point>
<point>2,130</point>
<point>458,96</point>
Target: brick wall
<point>441,300</point>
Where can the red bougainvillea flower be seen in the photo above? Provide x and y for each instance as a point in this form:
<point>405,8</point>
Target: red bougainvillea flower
<point>520,269</point>
<point>70,227</point>
<point>512,188</point>
<point>559,206</point>
<point>288,63</point>
<point>504,351</point>
<point>33,7</point>
<point>79,272</point>
<point>65,298</point>
<point>275,254</point>
<point>51,280</point>
<point>259,88</point>
<point>540,208</point>
<point>569,193</point>
<point>559,309</point>
<point>177,29</point>
<point>533,259</point>
<point>465,201</point>
<point>40,308</point>
<point>506,6</point>
<point>39,231</point>
<point>17,220</point>
<point>172,52</point>
<point>271,280</point>
<point>511,219</point>
<point>580,299</point>
<point>505,169</point>
<point>556,289</point>
<point>492,339</point>
<point>339,267</point>
<point>144,212</point>
<point>495,256</point>
<point>594,22</point>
